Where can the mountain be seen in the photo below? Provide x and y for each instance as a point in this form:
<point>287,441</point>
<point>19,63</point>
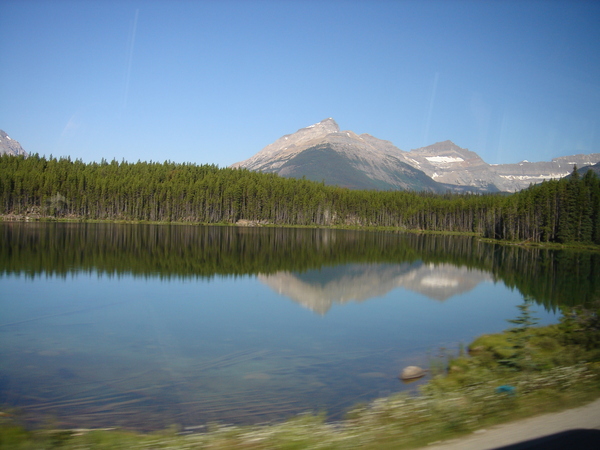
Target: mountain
<point>447,163</point>
<point>10,146</point>
<point>594,168</point>
<point>321,152</point>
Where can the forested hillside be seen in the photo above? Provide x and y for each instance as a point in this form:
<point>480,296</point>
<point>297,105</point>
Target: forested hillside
<point>566,210</point>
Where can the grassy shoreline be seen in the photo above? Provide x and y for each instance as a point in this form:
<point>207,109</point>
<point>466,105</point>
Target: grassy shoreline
<point>522,372</point>
<point>398,422</point>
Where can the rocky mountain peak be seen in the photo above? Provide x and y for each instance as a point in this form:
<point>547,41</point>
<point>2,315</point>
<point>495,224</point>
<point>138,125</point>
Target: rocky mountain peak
<point>322,152</point>
<point>290,144</point>
<point>319,129</point>
<point>10,146</point>
<point>329,125</point>
<point>445,148</point>
<point>443,156</point>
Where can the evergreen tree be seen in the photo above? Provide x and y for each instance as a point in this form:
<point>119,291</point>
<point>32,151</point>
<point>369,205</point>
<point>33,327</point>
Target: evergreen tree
<point>520,335</point>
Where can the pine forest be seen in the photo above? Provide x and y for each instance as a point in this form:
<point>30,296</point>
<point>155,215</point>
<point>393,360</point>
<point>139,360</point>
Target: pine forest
<point>562,211</point>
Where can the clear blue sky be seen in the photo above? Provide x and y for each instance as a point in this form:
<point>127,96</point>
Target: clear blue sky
<point>216,81</point>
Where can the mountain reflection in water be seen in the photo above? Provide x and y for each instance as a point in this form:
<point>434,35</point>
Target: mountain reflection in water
<point>551,277</point>
<point>319,289</point>
<point>144,326</point>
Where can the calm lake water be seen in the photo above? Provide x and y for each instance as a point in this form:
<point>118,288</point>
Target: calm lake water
<point>145,326</point>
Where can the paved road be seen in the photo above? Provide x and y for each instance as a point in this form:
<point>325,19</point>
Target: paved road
<point>573,429</point>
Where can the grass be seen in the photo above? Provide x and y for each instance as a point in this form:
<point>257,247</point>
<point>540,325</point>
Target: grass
<point>547,368</point>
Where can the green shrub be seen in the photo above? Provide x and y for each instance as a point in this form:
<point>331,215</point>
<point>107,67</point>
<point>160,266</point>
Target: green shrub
<point>581,326</point>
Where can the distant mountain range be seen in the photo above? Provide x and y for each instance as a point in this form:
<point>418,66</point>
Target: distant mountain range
<point>10,146</point>
<point>322,152</point>
<point>595,168</point>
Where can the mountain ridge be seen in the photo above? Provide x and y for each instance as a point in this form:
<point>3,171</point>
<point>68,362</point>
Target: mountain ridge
<point>366,162</point>
<point>323,152</point>
<point>9,146</point>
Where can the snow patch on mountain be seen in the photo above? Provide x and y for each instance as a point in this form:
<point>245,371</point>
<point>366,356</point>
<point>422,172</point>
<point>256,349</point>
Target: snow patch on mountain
<point>528,178</point>
<point>443,159</point>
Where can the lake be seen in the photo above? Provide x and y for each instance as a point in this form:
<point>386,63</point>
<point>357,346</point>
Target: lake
<point>146,326</point>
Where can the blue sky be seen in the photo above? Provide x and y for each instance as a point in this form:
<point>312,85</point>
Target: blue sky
<point>216,81</point>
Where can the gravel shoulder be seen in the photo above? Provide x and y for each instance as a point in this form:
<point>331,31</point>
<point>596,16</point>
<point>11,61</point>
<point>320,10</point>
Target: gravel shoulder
<point>575,429</point>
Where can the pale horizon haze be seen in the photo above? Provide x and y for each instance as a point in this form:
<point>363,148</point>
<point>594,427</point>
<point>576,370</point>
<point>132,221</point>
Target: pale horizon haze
<point>213,82</point>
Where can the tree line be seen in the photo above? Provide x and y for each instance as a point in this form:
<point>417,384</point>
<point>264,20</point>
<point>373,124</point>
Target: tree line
<point>565,210</point>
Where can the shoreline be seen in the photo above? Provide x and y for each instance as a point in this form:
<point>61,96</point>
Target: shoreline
<point>471,415</point>
<point>9,218</point>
